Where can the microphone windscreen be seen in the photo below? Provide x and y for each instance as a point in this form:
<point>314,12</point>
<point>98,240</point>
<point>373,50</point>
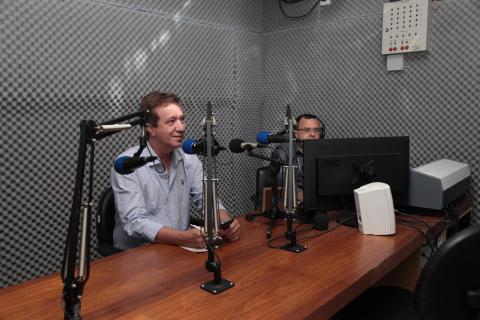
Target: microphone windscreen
<point>262,137</point>
<point>235,145</point>
<point>187,146</point>
<point>320,221</point>
<point>119,165</point>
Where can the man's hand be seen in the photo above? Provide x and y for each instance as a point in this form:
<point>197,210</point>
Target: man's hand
<point>193,238</point>
<point>189,238</point>
<point>232,233</point>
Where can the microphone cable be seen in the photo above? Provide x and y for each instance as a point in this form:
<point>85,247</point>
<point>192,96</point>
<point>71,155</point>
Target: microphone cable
<point>162,171</point>
<point>423,233</point>
<point>296,1</point>
<point>212,248</point>
<point>269,242</point>
<point>320,232</point>
<point>409,222</point>
<point>310,228</point>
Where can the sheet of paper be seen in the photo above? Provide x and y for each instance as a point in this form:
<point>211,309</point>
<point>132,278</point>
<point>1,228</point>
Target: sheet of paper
<point>195,249</point>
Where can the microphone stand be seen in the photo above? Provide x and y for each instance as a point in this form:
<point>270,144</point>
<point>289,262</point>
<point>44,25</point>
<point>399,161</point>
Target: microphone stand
<point>289,190</point>
<point>217,285</point>
<point>74,283</point>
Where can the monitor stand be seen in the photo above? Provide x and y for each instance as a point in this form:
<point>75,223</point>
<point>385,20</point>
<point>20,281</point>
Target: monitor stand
<point>347,218</point>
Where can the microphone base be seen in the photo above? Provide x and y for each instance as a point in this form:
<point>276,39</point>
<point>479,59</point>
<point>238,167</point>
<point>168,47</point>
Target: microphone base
<point>293,248</point>
<point>216,288</point>
<point>291,235</point>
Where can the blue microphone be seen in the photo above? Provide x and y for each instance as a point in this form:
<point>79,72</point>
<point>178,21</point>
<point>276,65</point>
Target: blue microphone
<point>191,146</point>
<point>266,137</point>
<point>126,165</point>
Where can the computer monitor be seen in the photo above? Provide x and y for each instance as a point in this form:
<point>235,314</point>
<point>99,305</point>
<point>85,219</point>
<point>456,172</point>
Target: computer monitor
<point>333,168</point>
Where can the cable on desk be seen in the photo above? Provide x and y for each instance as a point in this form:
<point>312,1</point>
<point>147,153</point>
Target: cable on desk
<point>427,222</point>
<point>416,219</point>
<point>320,233</point>
<point>299,225</point>
<point>269,242</point>
<point>425,236</point>
<point>208,246</point>
<point>436,236</point>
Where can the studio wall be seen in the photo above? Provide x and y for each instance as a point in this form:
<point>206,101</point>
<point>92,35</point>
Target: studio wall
<point>64,61</point>
<point>330,63</point>
<point>67,60</point>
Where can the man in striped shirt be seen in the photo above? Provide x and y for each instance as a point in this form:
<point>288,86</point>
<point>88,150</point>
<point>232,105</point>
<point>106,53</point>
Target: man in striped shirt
<point>152,203</point>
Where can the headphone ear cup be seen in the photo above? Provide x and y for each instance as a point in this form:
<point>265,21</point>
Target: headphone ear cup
<point>322,134</point>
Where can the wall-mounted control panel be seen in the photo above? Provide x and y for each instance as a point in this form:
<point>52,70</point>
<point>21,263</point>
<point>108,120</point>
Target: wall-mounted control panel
<point>406,26</point>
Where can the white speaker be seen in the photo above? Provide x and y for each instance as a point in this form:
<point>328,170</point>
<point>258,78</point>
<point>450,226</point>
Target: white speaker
<point>375,211</point>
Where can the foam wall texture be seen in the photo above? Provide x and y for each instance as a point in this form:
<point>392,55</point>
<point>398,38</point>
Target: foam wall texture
<point>330,63</point>
<point>64,61</point>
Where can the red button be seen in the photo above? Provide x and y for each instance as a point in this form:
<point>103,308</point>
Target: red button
<point>390,49</point>
<point>401,48</point>
<point>406,47</point>
<point>395,49</point>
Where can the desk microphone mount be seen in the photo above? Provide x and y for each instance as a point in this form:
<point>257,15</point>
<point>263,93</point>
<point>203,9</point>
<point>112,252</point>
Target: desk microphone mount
<point>210,211</point>
<point>74,279</point>
<point>289,188</point>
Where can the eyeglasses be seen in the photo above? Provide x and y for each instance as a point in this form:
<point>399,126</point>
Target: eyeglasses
<point>308,130</point>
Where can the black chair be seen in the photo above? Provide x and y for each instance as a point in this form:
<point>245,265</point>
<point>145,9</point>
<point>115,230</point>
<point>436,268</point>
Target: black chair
<point>265,197</point>
<point>448,287</point>
<point>106,223</point>
<point>265,179</point>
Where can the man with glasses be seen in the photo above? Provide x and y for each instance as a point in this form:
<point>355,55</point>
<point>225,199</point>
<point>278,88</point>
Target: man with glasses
<point>309,127</point>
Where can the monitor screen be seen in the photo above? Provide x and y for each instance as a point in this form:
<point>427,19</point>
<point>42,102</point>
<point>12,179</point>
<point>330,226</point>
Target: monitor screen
<point>333,168</point>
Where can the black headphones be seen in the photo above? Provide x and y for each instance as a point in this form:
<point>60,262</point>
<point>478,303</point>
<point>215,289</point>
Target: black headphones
<point>149,117</point>
<point>322,131</point>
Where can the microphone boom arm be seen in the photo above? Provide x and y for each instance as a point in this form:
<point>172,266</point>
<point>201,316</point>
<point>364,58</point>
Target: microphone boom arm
<point>259,156</point>
<point>73,284</point>
<point>141,119</point>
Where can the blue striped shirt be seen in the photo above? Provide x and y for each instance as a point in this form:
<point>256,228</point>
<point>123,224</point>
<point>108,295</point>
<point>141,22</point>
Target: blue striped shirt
<point>151,197</point>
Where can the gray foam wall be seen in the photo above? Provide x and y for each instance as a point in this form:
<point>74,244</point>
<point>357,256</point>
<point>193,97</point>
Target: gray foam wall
<point>64,61</point>
<point>331,64</point>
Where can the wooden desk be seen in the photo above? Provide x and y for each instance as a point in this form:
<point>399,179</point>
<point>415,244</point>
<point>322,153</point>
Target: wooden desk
<point>162,281</point>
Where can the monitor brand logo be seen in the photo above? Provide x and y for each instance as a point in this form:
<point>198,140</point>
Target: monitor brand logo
<point>330,163</point>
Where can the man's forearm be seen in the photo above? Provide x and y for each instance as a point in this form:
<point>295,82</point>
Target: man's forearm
<point>191,237</point>
<point>170,236</point>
